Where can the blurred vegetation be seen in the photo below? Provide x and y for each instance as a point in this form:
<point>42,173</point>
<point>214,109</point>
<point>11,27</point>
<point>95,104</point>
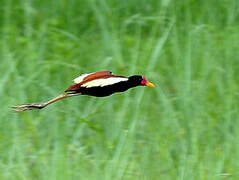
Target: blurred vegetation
<point>185,128</point>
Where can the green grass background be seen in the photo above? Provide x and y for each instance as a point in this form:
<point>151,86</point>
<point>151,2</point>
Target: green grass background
<point>185,128</point>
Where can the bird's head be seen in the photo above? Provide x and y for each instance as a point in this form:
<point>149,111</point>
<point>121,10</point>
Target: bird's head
<point>139,80</point>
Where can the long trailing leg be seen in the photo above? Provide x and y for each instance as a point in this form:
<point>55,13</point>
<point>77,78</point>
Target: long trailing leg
<point>25,107</point>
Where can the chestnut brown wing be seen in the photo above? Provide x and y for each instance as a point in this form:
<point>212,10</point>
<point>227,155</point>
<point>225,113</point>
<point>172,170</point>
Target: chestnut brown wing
<point>97,75</point>
<point>83,77</point>
<point>90,77</point>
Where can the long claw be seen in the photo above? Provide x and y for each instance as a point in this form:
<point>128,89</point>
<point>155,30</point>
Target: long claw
<point>25,107</point>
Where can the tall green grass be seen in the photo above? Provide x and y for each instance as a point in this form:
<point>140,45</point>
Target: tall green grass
<point>185,128</point>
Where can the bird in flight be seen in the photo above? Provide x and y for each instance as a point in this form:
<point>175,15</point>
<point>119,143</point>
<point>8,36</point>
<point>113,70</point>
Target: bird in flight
<point>98,84</point>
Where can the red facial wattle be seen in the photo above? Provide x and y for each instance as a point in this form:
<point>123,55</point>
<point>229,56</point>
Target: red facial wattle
<point>144,82</point>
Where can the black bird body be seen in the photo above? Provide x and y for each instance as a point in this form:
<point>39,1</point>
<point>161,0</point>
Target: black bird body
<point>106,90</point>
<point>103,91</point>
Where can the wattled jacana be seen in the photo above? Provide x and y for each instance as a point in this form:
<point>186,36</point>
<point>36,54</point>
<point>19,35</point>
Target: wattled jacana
<point>97,84</point>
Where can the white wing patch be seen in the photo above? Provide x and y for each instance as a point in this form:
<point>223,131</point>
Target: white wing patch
<point>104,82</point>
<point>80,78</point>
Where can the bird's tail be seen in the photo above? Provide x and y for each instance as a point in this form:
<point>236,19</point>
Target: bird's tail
<point>25,107</point>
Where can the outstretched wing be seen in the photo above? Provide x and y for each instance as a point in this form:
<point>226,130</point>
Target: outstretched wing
<point>104,81</point>
<point>91,76</point>
<point>84,78</point>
